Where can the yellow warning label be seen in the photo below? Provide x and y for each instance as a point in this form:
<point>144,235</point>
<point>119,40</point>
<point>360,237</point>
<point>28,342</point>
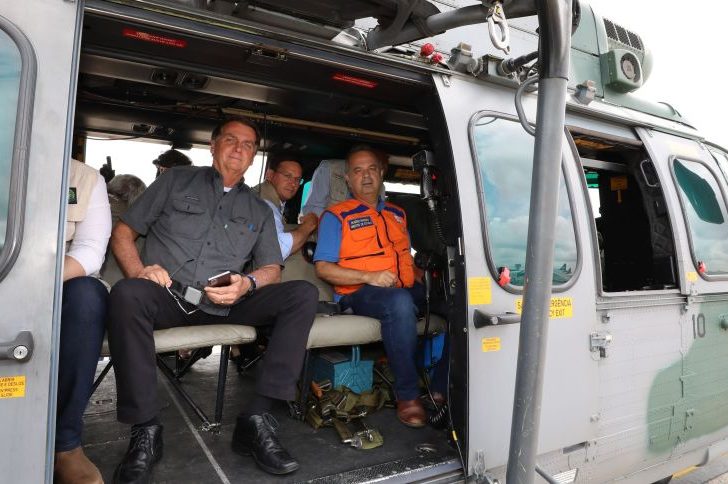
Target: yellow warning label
<point>479,290</point>
<point>693,276</point>
<point>618,183</point>
<point>491,344</point>
<point>561,307</point>
<point>12,386</point>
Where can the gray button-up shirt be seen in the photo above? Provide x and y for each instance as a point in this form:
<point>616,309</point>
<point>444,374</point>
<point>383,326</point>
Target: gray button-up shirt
<point>195,230</point>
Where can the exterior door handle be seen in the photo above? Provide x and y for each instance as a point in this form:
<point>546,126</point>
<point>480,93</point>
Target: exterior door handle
<point>481,319</point>
<point>20,349</point>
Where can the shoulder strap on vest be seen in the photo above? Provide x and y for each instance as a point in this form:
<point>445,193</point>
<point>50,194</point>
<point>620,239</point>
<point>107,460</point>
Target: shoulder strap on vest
<point>343,209</point>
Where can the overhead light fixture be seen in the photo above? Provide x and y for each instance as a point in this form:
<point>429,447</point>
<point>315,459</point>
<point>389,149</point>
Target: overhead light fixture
<point>354,81</point>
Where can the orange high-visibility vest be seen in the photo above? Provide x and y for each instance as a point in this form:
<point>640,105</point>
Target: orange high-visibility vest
<point>374,241</point>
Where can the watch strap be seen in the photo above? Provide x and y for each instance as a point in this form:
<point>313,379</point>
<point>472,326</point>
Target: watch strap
<point>253,284</point>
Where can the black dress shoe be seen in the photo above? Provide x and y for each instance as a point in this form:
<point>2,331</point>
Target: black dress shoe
<point>145,450</point>
<point>255,435</point>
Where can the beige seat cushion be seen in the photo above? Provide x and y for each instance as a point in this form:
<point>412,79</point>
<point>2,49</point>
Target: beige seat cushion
<point>437,325</point>
<point>344,330</point>
<point>341,329</point>
<point>191,337</point>
<point>110,270</point>
<point>296,268</point>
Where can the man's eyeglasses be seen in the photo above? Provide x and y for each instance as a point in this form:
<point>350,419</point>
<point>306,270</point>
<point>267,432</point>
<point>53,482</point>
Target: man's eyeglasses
<point>175,296</point>
<point>179,303</point>
<point>290,178</point>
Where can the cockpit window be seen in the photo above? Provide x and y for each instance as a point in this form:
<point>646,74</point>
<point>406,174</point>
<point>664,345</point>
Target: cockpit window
<point>505,158</point>
<point>705,213</point>
<point>10,70</point>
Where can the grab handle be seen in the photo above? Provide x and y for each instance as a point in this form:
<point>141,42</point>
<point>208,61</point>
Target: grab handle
<point>481,319</point>
<point>644,174</point>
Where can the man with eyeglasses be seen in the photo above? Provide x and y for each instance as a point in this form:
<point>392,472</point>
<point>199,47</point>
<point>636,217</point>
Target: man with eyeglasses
<point>199,222</point>
<point>282,180</point>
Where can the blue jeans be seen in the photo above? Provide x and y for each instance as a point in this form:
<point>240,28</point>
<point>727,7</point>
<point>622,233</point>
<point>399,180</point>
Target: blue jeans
<point>83,313</point>
<point>397,310</point>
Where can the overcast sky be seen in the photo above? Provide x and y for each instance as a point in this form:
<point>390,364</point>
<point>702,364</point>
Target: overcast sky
<point>688,41</point>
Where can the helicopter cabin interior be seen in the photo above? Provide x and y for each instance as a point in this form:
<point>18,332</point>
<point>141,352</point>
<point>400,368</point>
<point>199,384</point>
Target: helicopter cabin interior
<point>312,109</point>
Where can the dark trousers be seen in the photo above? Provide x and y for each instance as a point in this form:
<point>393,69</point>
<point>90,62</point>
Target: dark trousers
<point>82,330</point>
<point>138,307</point>
<point>397,309</point>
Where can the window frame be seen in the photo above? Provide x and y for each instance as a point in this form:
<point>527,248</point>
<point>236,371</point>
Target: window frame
<point>689,230</point>
<point>21,147</point>
<point>712,149</point>
<point>492,267</point>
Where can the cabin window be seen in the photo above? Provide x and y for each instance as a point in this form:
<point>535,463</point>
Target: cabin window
<point>706,215</point>
<point>504,153</point>
<point>10,71</point>
<point>632,232</point>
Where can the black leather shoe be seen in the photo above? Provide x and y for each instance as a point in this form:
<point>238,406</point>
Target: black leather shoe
<point>255,435</point>
<point>145,450</point>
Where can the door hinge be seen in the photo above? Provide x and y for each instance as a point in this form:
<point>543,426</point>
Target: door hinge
<point>479,469</point>
<point>598,343</point>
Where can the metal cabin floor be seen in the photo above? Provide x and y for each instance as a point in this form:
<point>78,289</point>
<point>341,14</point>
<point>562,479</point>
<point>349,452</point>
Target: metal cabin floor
<point>192,455</point>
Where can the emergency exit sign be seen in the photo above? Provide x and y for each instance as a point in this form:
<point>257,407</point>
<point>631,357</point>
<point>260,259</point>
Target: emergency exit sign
<point>12,386</point>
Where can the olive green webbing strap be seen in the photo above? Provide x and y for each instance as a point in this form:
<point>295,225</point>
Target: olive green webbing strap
<point>340,406</point>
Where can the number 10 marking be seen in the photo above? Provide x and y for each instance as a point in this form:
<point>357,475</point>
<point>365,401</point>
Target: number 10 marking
<point>699,326</point>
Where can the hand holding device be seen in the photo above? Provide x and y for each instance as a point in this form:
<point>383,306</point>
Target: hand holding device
<point>228,295</point>
<point>220,280</point>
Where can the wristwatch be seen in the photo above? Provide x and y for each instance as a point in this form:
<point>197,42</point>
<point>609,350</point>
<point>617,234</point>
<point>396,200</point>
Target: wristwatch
<point>253,284</point>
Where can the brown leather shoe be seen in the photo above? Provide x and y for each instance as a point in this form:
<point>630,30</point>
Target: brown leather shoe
<point>411,413</point>
<point>73,467</point>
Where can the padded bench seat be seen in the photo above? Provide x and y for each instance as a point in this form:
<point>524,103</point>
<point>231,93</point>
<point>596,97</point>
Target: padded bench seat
<point>192,337</point>
<point>200,336</point>
<point>341,329</point>
<point>346,329</point>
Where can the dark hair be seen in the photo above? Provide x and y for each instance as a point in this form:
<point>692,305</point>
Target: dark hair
<point>275,160</point>
<point>379,155</point>
<point>236,119</point>
<point>172,158</point>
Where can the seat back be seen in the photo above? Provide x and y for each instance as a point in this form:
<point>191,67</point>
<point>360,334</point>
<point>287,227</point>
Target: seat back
<point>296,269</point>
<point>110,270</point>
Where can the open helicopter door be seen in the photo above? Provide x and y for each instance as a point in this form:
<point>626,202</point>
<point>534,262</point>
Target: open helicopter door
<point>494,159</point>
<point>39,45</point>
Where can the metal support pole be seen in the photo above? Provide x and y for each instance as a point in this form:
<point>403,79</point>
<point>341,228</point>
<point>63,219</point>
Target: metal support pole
<point>221,380</point>
<point>306,377</point>
<point>172,378</point>
<point>554,49</point>
<point>101,377</point>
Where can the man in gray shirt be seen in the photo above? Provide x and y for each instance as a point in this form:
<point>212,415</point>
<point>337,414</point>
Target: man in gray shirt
<point>199,222</point>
